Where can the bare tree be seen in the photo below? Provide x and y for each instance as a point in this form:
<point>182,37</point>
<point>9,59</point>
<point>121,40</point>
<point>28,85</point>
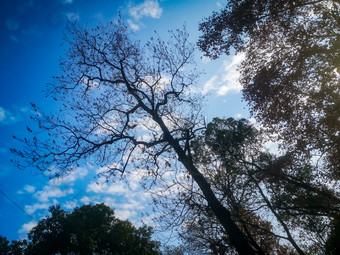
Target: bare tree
<point>125,105</point>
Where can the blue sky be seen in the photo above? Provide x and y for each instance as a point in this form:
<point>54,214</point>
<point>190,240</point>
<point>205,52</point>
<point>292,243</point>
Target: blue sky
<point>31,33</point>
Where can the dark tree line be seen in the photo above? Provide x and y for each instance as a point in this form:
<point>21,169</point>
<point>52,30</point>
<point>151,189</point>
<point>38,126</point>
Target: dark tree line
<point>131,107</point>
<point>89,229</point>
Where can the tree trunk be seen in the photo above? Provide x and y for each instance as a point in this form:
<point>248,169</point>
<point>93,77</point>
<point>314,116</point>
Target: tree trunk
<point>237,238</point>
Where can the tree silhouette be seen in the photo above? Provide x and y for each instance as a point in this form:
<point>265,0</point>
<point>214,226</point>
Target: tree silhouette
<point>125,105</point>
<point>279,205</point>
<point>290,78</point>
<point>4,245</point>
<point>89,229</point>
<point>290,74</point>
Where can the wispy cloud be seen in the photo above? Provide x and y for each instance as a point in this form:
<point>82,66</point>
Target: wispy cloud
<point>148,8</point>
<point>57,191</point>
<point>70,204</point>
<point>227,79</point>
<point>231,76</point>
<point>124,210</point>
<point>125,214</point>
<point>29,188</point>
<point>27,227</point>
<point>116,188</point>
<point>48,192</point>
<point>87,200</point>
<point>133,26</point>
<point>77,174</point>
<point>6,117</point>
<point>124,196</point>
<point>2,114</point>
<point>210,84</point>
<point>30,209</point>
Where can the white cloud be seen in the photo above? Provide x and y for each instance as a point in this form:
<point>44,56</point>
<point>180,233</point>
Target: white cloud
<point>223,90</point>
<point>51,192</point>
<point>117,188</point>
<point>30,209</point>
<point>226,80</point>
<point>125,214</point>
<point>205,59</point>
<point>146,9</point>
<point>123,211</point>
<point>29,188</point>
<point>90,83</point>
<point>104,169</point>
<point>160,83</point>
<point>87,200</point>
<point>272,147</point>
<point>70,204</point>
<point>132,25</point>
<point>77,174</point>
<point>27,227</point>
<point>128,205</point>
<point>6,117</point>
<point>102,185</point>
<point>210,85</point>
<point>231,75</point>
<point>2,114</point>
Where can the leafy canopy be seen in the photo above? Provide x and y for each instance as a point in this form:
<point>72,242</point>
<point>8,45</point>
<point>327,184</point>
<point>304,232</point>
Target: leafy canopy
<point>291,71</point>
<point>89,229</point>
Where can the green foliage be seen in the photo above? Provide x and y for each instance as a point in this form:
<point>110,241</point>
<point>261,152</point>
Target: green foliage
<point>257,187</point>
<point>173,250</point>
<point>290,74</point>
<point>16,247</point>
<point>229,136</point>
<point>4,245</point>
<point>89,229</point>
<point>291,81</point>
<point>231,154</point>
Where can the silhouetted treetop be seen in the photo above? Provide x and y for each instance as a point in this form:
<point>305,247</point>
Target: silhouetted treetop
<point>290,73</point>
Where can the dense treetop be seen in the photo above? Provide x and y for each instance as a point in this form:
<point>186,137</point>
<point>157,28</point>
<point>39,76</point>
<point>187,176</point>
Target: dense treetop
<point>290,74</point>
<point>89,229</point>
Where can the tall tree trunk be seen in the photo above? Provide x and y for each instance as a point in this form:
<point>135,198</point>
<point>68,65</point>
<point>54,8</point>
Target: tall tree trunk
<point>237,238</point>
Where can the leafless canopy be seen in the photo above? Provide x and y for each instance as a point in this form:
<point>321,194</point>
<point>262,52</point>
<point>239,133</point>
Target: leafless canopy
<point>124,105</point>
<point>120,100</point>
